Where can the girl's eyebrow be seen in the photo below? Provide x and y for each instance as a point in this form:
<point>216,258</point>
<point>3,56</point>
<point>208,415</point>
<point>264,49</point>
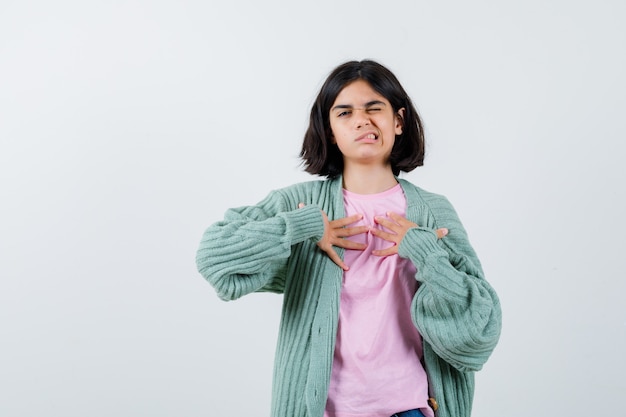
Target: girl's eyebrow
<point>349,106</point>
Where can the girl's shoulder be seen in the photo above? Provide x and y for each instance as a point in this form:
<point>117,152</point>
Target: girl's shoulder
<point>419,196</point>
<point>313,187</point>
<point>435,206</point>
<point>304,185</point>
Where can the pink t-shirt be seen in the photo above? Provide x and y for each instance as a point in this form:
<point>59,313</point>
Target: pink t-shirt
<point>376,369</point>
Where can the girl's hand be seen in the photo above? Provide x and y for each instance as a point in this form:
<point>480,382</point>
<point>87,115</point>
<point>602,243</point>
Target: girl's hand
<point>398,226</point>
<point>334,233</point>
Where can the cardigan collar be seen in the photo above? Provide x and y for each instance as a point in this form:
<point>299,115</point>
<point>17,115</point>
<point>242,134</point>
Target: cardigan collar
<point>410,191</point>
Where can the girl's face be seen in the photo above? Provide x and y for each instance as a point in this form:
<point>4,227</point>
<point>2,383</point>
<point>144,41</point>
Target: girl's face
<point>364,125</point>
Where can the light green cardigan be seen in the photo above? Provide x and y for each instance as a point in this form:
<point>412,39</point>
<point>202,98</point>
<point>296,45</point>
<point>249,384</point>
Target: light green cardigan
<point>272,247</point>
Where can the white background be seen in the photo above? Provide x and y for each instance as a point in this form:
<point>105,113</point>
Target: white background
<point>126,128</point>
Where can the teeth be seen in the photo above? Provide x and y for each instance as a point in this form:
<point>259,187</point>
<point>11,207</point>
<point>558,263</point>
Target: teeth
<point>371,136</point>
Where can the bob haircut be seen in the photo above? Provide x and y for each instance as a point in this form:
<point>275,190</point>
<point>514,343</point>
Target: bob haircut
<point>322,157</point>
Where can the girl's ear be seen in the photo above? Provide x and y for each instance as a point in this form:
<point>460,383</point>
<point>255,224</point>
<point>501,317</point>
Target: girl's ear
<point>399,121</point>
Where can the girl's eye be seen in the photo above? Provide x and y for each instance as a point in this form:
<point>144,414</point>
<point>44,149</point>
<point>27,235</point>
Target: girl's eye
<point>343,113</point>
<point>374,109</point>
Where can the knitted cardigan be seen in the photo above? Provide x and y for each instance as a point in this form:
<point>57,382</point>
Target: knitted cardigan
<point>272,247</point>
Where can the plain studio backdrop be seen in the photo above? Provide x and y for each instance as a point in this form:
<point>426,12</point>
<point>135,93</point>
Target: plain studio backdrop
<point>127,128</point>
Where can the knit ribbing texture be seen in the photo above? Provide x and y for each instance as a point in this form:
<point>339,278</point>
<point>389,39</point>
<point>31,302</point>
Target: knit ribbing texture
<point>272,247</point>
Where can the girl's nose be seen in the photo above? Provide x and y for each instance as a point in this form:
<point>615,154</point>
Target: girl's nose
<point>361,117</point>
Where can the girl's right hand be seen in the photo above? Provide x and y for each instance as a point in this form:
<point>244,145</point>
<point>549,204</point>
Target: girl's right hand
<point>335,233</point>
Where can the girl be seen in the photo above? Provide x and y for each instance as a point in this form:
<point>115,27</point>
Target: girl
<point>385,308</point>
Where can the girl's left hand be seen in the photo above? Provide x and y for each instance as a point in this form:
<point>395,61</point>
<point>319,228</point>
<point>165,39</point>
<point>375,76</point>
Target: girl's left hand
<point>398,226</point>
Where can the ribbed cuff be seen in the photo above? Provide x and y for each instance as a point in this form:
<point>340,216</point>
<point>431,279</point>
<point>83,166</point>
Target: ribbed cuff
<point>304,223</point>
<point>418,244</point>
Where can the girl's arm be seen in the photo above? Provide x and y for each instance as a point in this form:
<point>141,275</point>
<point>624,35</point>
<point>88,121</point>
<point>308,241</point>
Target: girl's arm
<point>455,309</point>
<point>248,250</point>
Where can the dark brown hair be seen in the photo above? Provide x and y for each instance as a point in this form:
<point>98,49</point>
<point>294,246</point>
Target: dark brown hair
<point>322,157</point>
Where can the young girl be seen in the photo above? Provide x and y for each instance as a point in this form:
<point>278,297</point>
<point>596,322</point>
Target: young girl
<point>385,308</point>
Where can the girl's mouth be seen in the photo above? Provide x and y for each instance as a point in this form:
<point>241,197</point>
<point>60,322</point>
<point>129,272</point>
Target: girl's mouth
<point>368,138</point>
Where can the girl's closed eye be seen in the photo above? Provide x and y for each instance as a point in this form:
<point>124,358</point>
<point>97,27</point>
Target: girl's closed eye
<point>369,110</point>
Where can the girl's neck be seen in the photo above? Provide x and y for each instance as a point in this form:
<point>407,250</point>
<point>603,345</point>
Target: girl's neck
<point>367,179</point>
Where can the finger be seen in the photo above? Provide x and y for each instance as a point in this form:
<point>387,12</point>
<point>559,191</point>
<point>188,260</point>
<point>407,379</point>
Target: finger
<point>349,244</point>
<point>390,237</point>
<point>441,232</point>
<point>351,231</point>
<point>300,205</point>
<point>346,220</point>
<point>336,259</point>
<point>403,221</point>
<point>386,252</point>
<point>385,222</point>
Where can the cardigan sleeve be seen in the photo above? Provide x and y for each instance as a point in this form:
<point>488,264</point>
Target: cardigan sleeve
<point>455,309</point>
<point>248,250</point>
